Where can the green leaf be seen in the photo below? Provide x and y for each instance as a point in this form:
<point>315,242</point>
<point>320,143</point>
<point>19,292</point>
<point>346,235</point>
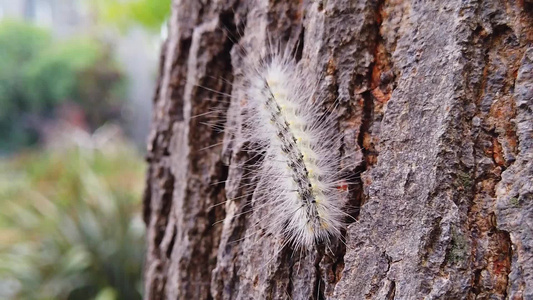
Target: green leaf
<point>150,14</point>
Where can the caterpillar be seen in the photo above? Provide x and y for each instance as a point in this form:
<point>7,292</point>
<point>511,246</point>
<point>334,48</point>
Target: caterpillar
<point>299,172</point>
<point>301,188</point>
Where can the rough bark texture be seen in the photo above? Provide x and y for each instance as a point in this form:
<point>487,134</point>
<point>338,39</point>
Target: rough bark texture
<point>436,101</point>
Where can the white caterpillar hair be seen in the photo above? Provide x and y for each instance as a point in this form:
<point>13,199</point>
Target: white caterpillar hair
<point>300,179</point>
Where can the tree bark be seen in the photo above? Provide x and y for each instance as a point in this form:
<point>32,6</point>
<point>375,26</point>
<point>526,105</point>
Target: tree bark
<point>436,102</point>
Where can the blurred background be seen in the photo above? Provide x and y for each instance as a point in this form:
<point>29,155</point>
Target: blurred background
<point>76,82</point>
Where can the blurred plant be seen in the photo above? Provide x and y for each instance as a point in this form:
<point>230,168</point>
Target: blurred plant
<point>70,224</point>
<point>37,74</point>
<point>81,71</point>
<point>151,14</point>
<point>19,45</point>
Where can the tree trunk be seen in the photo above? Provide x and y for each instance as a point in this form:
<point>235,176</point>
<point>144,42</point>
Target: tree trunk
<point>436,102</point>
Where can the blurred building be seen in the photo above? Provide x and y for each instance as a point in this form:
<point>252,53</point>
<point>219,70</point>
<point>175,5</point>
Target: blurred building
<point>136,50</point>
<point>63,17</point>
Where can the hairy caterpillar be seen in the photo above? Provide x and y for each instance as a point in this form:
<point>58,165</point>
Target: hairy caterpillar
<point>299,171</point>
<point>301,188</point>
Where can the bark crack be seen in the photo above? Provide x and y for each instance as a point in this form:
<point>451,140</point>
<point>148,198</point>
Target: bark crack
<point>491,126</point>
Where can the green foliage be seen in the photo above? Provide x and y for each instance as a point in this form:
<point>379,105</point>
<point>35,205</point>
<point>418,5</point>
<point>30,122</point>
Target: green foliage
<point>19,45</point>
<point>70,224</point>
<point>52,75</point>
<point>149,13</point>
<point>79,71</point>
<point>37,74</point>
